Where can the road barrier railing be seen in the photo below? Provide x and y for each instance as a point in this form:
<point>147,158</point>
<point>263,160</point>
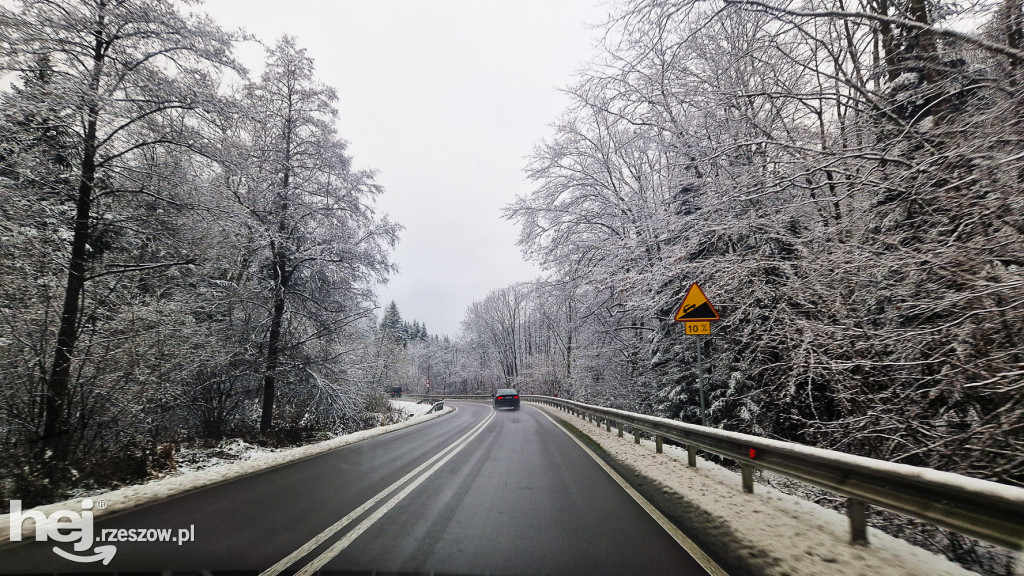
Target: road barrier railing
<point>981,509</point>
<point>449,396</point>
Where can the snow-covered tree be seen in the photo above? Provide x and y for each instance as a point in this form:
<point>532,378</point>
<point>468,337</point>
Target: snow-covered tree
<point>122,79</point>
<point>319,239</point>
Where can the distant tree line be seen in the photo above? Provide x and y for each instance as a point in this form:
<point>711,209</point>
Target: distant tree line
<point>843,179</point>
<point>188,251</point>
<point>408,356</point>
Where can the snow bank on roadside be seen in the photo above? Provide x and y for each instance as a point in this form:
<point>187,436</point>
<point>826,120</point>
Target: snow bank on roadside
<point>410,408</point>
<point>777,533</point>
<point>257,460</point>
<point>192,459</point>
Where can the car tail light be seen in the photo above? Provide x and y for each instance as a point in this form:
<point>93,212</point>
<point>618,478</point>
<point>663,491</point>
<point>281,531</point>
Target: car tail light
<point>517,397</point>
<point>500,398</point>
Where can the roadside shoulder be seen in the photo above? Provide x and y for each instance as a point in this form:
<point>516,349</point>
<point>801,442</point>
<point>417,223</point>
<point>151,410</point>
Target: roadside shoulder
<point>130,497</point>
<point>767,532</point>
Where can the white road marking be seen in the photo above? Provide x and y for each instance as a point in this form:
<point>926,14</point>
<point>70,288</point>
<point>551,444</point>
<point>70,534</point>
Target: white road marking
<point>337,548</point>
<point>691,548</point>
<point>322,537</point>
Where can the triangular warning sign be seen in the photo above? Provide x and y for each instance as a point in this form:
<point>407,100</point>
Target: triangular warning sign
<point>696,307</point>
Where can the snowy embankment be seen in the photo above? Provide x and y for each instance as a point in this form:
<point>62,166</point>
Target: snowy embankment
<point>410,408</point>
<point>767,532</point>
<point>194,474</point>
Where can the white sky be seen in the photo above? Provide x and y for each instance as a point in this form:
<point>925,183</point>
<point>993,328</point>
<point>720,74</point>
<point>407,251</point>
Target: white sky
<point>445,98</point>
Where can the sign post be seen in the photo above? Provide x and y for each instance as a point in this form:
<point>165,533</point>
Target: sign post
<point>698,313</point>
<point>700,381</point>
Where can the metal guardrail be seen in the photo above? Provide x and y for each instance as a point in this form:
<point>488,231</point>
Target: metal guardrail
<point>981,509</point>
<point>450,396</point>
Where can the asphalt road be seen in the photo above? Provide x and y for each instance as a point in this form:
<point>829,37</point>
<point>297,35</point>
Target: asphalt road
<point>475,492</point>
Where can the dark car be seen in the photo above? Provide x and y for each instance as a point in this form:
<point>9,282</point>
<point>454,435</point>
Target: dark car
<point>506,398</point>
<point>395,392</point>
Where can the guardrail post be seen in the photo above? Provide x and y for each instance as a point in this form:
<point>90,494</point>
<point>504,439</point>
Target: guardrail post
<point>657,444</point>
<point>857,510</point>
<point>607,425</point>
<point>747,471</point>
<point>619,424</point>
<point>691,456</point>
<point>636,435</point>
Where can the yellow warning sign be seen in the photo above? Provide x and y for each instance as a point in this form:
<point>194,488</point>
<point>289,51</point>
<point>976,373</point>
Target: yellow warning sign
<point>696,307</point>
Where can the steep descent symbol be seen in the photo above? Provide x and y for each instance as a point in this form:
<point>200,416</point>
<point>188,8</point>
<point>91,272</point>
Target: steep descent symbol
<point>696,307</point>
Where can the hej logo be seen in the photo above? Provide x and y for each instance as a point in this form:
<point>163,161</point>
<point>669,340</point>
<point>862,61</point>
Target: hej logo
<point>63,526</point>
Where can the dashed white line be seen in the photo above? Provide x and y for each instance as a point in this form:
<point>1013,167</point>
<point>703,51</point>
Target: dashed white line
<point>444,456</point>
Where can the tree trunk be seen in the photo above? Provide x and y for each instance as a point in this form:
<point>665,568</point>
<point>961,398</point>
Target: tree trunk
<point>273,345</point>
<point>568,341</point>
<point>55,439</point>
<point>280,266</point>
<point>1014,29</point>
<point>888,45</point>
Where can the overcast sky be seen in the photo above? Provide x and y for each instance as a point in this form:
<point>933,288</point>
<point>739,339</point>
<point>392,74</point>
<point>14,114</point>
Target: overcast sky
<point>445,99</point>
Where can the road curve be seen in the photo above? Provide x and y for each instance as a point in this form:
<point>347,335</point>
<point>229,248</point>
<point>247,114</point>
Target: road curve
<point>476,492</point>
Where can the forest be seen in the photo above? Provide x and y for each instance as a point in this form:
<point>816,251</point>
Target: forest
<point>190,252</point>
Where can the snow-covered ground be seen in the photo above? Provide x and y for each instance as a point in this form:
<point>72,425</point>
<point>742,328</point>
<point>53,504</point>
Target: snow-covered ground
<point>203,469</point>
<point>769,532</point>
<point>192,459</point>
<point>410,408</point>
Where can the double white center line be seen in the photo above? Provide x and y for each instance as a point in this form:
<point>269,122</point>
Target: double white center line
<point>420,473</point>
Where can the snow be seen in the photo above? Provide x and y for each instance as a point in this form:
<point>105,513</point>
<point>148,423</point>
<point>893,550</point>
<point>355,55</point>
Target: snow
<point>192,459</point>
<point>210,471</point>
<point>410,408</point>
<point>769,532</point>
<point>946,479</point>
